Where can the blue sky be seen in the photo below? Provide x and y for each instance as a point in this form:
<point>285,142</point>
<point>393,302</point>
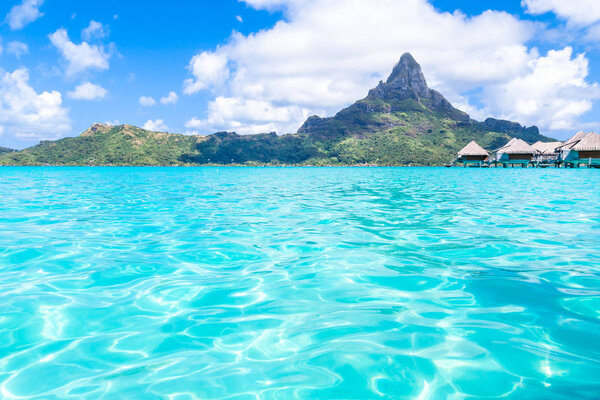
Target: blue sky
<point>265,65</point>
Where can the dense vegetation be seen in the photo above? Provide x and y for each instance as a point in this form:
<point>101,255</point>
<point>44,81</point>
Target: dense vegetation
<point>108,145</point>
<point>5,150</point>
<point>400,122</point>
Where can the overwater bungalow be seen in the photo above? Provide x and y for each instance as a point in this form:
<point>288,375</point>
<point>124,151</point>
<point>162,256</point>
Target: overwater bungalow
<point>472,155</point>
<point>581,149</point>
<point>515,152</point>
<point>565,148</point>
<point>547,153</point>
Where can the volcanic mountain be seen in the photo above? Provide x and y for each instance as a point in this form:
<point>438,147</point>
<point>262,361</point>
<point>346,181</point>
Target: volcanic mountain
<point>405,104</point>
<point>400,122</point>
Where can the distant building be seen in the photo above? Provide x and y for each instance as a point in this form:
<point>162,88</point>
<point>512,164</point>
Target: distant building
<point>565,148</point>
<point>583,148</point>
<point>547,152</point>
<point>472,154</point>
<point>515,152</point>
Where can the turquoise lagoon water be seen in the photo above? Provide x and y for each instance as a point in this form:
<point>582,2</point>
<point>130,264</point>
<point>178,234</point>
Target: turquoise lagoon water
<point>299,283</point>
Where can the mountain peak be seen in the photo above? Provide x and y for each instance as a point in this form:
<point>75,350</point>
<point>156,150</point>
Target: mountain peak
<point>407,74</point>
<point>407,82</point>
<point>96,128</point>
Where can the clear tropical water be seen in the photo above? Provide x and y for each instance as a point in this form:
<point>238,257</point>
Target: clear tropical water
<point>299,283</point>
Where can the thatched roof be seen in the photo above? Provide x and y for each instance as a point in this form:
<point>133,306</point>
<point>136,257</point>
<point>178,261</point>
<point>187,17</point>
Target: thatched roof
<point>577,137</point>
<point>517,146</point>
<point>510,142</point>
<point>569,144</point>
<point>473,149</point>
<point>546,147</point>
<point>589,143</point>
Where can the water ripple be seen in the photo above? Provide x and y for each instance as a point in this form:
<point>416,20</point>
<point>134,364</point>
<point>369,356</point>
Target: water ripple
<point>295,283</point>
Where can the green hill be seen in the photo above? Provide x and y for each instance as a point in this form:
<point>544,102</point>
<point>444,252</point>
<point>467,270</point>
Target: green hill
<point>5,150</point>
<point>400,122</point>
<point>108,145</point>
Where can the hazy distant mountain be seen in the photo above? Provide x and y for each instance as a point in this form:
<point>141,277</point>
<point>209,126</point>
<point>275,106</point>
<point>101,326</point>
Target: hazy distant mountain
<point>5,150</point>
<point>401,122</point>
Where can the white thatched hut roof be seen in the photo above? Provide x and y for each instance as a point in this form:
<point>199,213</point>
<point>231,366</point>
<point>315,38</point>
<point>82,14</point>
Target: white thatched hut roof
<point>473,149</point>
<point>546,147</point>
<point>569,144</point>
<point>577,137</point>
<point>591,142</point>
<point>517,146</point>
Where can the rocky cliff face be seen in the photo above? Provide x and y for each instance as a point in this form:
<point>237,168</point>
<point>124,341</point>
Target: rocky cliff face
<point>408,82</point>
<point>405,90</point>
<point>96,128</point>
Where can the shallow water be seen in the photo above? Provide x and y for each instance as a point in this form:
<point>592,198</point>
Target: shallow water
<point>296,283</point>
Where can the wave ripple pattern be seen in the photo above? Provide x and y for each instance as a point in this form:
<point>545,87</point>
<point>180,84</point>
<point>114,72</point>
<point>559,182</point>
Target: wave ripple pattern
<point>299,283</point>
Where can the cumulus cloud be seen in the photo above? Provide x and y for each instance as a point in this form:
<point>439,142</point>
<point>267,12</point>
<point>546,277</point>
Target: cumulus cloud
<point>171,98</point>
<point>207,69</point>
<point>147,101</point>
<point>327,53</point>
<point>95,30</point>
<point>28,115</point>
<point>555,86</point>
<point>580,12</point>
<point>17,48</point>
<point>80,57</point>
<point>247,116</point>
<point>88,91</point>
<point>156,126</point>
<point>24,13</point>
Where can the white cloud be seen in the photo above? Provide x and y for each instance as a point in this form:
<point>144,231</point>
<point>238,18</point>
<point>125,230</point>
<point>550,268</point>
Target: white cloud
<point>239,18</point>
<point>28,115</point>
<point>80,57</point>
<point>170,99</point>
<point>208,69</point>
<point>95,30</point>
<point>88,91</point>
<point>23,14</point>
<point>593,34</point>
<point>156,126</point>
<point>580,12</point>
<point>555,86</point>
<point>246,116</point>
<point>270,4</point>
<point>325,54</point>
<point>17,48</point>
<point>147,101</point>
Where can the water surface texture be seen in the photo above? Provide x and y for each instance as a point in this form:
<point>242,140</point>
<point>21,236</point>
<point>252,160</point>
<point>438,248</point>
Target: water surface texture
<point>299,283</point>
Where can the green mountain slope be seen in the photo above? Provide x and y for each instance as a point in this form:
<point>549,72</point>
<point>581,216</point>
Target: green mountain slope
<point>108,145</point>
<point>400,122</point>
<point>5,150</point>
